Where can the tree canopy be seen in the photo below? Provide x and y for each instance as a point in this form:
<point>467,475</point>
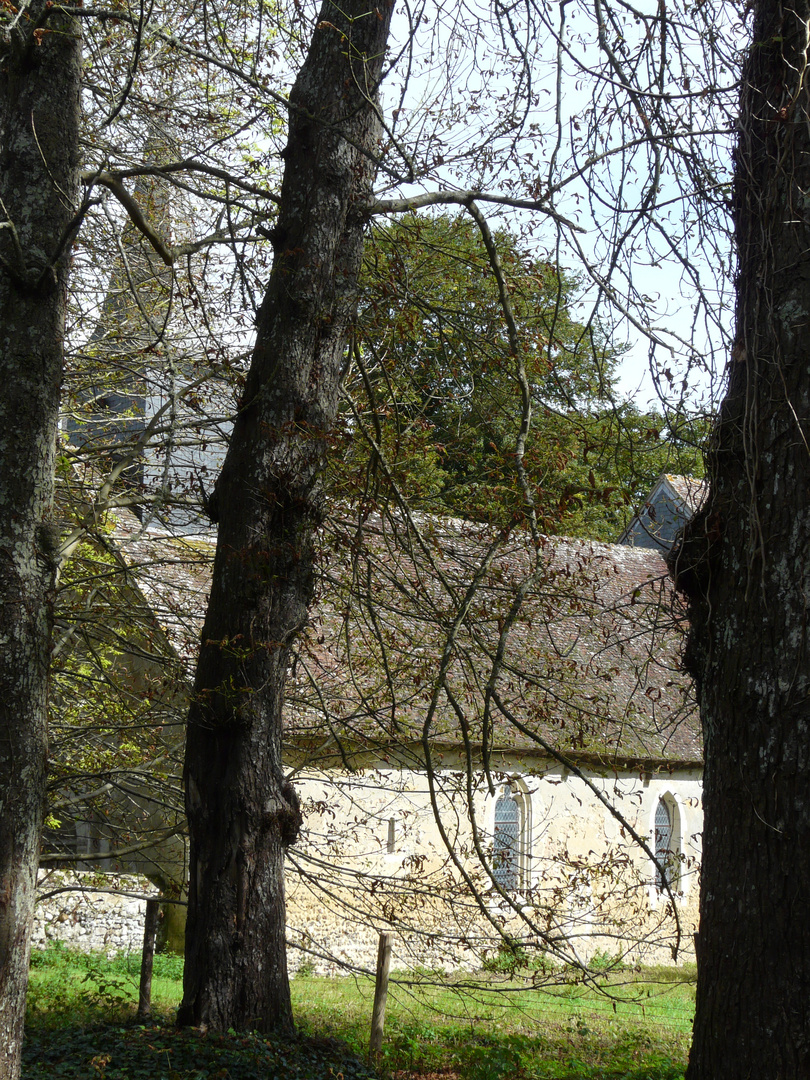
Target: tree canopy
<point>432,388</point>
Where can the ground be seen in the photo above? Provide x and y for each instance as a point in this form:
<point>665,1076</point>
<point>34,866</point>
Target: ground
<point>635,1027</point>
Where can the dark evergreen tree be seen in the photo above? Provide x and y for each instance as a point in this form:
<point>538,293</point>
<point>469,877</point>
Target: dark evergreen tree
<point>434,385</point>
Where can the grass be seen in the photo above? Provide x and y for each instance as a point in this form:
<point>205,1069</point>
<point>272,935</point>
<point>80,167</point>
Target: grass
<point>640,1031</point>
<point>81,1024</point>
<point>67,987</point>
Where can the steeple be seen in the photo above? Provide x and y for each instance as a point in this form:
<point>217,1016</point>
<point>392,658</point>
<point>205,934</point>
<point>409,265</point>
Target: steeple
<point>128,408</point>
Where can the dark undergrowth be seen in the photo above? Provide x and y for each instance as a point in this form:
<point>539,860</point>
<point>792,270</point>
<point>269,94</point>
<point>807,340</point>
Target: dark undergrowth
<point>161,1052</point>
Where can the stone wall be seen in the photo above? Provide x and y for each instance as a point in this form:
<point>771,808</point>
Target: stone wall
<point>91,911</point>
<point>371,859</point>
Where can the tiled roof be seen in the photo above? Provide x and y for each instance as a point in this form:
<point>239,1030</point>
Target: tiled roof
<point>401,644</point>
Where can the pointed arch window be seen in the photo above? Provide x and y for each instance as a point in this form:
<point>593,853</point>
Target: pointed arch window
<point>507,847</point>
<point>667,844</point>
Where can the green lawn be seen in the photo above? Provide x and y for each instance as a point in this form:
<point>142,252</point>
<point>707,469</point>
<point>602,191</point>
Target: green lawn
<point>81,1009</point>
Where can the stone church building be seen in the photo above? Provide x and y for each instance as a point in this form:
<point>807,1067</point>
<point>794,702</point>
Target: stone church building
<point>491,735</point>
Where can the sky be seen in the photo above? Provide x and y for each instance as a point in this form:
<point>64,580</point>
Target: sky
<point>526,110</point>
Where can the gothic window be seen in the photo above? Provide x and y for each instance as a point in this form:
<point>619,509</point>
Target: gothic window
<point>666,843</point>
<point>505,857</point>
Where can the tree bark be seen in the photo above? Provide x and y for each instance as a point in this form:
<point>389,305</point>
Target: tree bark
<point>40,69</point>
<point>745,566</point>
<point>269,502</point>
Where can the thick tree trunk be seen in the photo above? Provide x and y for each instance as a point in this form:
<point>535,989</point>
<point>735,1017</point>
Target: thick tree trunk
<point>241,813</point>
<point>39,117</point>
<point>745,566</point>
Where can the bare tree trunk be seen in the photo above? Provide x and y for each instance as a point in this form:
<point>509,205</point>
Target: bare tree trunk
<point>745,565</point>
<point>39,115</point>
<point>242,814</point>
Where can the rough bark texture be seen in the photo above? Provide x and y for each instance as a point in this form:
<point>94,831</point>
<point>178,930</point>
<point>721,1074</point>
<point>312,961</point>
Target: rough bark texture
<point>745,566</point>
<point>39,118</point>
<point>242,814</point>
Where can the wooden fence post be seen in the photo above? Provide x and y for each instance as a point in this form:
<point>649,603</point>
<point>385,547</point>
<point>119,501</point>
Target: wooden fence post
<point>380,995</point>
<point>149,930</point>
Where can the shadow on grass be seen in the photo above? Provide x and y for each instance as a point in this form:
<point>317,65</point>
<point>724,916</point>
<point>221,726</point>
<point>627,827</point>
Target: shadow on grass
<point>162,1052</point>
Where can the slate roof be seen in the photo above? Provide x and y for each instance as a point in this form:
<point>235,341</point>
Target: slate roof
<point>690,490</point>
<point>671,503</point>
<point>416,632</point>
